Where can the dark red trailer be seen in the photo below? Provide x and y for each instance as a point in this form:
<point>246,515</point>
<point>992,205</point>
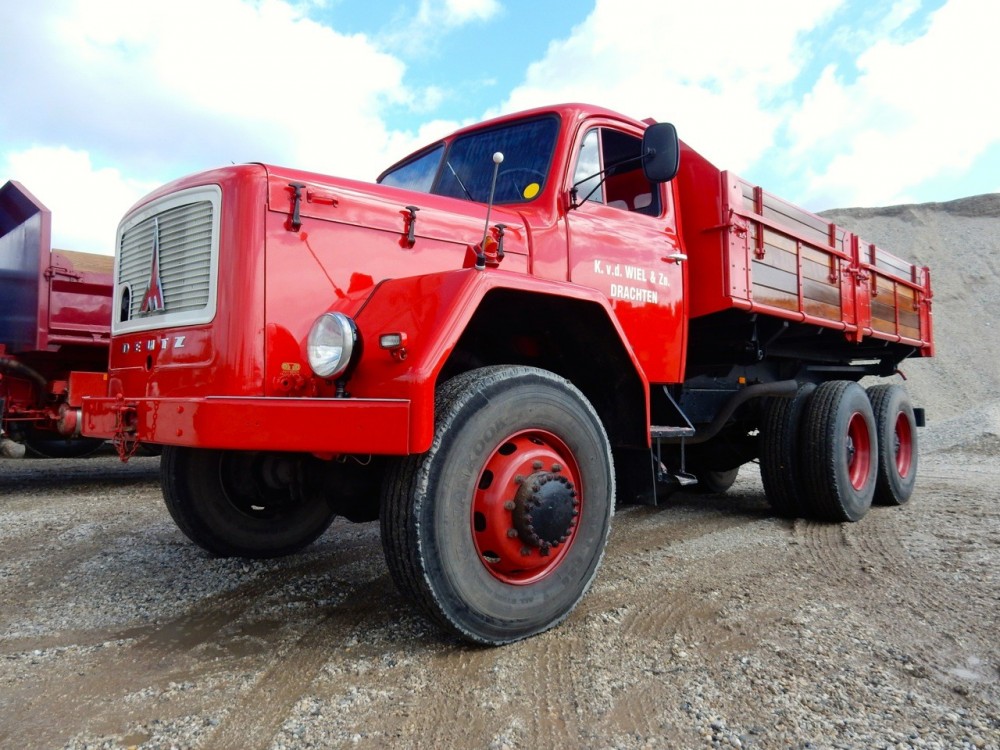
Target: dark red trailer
<point>55,314</point>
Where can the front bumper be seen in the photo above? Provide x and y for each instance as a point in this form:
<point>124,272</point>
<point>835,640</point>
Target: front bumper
<point>313,425</point>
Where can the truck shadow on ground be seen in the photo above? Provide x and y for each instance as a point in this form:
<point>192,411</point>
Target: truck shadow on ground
<point>33,475</point>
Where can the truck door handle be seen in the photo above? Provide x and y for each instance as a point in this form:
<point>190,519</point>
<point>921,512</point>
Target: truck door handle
<point>675,258</point>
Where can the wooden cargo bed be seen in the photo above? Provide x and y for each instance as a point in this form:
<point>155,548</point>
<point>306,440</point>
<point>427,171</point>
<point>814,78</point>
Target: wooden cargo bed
<point>753,251</point>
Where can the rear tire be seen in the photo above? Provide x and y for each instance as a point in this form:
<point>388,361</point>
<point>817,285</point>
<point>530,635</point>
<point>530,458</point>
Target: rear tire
<point>780,463</point>
<point>839,451</point>
<point>498,530</point>
<point>897,444</point>
<point>232,504</point>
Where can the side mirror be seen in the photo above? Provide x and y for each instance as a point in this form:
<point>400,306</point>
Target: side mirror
<point>661,152</point>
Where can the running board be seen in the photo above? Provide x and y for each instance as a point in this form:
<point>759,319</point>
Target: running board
<point>667,431</point>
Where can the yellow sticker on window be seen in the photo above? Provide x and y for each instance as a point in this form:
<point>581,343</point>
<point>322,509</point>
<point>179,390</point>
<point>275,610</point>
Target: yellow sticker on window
<point>531,191</point>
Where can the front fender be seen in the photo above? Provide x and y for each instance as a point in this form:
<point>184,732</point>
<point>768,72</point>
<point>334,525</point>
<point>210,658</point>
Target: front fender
<point>432,312</point>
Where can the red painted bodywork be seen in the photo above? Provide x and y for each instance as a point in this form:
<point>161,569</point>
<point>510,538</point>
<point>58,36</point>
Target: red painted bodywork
<point>55,312</point>
<point>243,380</point>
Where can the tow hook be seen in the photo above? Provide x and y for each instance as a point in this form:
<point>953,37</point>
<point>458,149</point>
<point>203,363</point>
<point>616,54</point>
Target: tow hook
<point>124,440</point>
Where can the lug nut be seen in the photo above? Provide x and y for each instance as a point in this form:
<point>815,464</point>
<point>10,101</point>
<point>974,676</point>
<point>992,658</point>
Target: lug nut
<point>557,468</point>
<point>536,465</point>
<point>509,505</point>
<point>511,533</point>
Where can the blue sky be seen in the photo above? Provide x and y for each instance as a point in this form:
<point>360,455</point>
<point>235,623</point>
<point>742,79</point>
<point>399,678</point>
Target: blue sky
<point>827,103</point>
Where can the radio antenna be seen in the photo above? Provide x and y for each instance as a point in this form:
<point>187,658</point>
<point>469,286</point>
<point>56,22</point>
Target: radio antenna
<point>481,255</point>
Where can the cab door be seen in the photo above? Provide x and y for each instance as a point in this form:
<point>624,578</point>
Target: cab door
<point>623,241</point>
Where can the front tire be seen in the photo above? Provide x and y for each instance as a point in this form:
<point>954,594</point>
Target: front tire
<point>240,504</point>
<point>498,530</point>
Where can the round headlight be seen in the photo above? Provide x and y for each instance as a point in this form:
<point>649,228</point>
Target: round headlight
<point>331,344</point>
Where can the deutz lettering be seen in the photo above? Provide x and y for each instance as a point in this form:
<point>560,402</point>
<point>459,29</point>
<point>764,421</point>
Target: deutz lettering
<point>151,345</point>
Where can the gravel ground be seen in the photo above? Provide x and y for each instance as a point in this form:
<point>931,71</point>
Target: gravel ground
<point>711,623</point>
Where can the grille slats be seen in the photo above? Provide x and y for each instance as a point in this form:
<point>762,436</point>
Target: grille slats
<point>186,249</point>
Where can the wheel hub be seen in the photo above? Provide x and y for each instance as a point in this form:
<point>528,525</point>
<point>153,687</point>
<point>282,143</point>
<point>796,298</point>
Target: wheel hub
<point>526,505</point>
<point>545,510</point>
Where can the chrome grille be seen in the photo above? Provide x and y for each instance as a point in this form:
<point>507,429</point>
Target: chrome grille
<point>187,226</point>
<point>185,257</point>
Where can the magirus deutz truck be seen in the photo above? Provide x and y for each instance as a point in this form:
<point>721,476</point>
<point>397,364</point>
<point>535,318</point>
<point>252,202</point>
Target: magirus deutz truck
<point>514,328</point>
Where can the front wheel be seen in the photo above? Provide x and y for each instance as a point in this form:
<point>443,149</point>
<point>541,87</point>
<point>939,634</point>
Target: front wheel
<point>498,530</point>
<point>241,503</point>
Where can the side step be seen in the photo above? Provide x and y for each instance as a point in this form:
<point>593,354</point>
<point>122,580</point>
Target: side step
<point>669,431</point>
<point>663,475</point>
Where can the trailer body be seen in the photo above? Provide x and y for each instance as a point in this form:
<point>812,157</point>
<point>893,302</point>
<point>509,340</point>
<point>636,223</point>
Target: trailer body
<point>55,326</point>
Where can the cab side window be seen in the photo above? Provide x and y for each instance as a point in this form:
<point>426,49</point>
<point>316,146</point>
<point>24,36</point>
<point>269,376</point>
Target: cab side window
<point>624,185</point>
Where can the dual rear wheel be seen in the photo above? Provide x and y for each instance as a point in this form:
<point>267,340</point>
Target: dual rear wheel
<point>831,451</point>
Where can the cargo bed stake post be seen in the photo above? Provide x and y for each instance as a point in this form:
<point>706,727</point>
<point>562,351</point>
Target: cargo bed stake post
<point>481,248</point>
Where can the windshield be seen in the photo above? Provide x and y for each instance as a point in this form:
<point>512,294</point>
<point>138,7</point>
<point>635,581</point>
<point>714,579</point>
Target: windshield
<point>466,169</point>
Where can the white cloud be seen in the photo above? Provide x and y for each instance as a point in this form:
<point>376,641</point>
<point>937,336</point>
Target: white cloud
<point>463,11</point>
<point>164,90</point>
<point>86,202</point>
<point>712,67</point>
<point>199,82</point>
<point>919,108</point>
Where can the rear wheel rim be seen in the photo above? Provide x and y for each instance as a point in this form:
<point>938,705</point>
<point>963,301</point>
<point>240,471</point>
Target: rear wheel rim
<point>526,506</point>
<point>903,445</point>
<point>859,451</point>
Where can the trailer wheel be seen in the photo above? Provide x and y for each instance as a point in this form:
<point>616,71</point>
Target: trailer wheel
<point>716,482</point>
<point>839,451</point>
<point>238,503</point>
<point>780,465</point>
<point>897,444</point>
<point>498,530</point>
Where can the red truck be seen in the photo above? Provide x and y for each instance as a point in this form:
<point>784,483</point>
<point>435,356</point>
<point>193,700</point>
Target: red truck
<point>517,325</point>
<point>55,327</point>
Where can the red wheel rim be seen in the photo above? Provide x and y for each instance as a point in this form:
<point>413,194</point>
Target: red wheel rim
<point>903,444</point>
<point>525,507</point>
<point>859,451</point>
